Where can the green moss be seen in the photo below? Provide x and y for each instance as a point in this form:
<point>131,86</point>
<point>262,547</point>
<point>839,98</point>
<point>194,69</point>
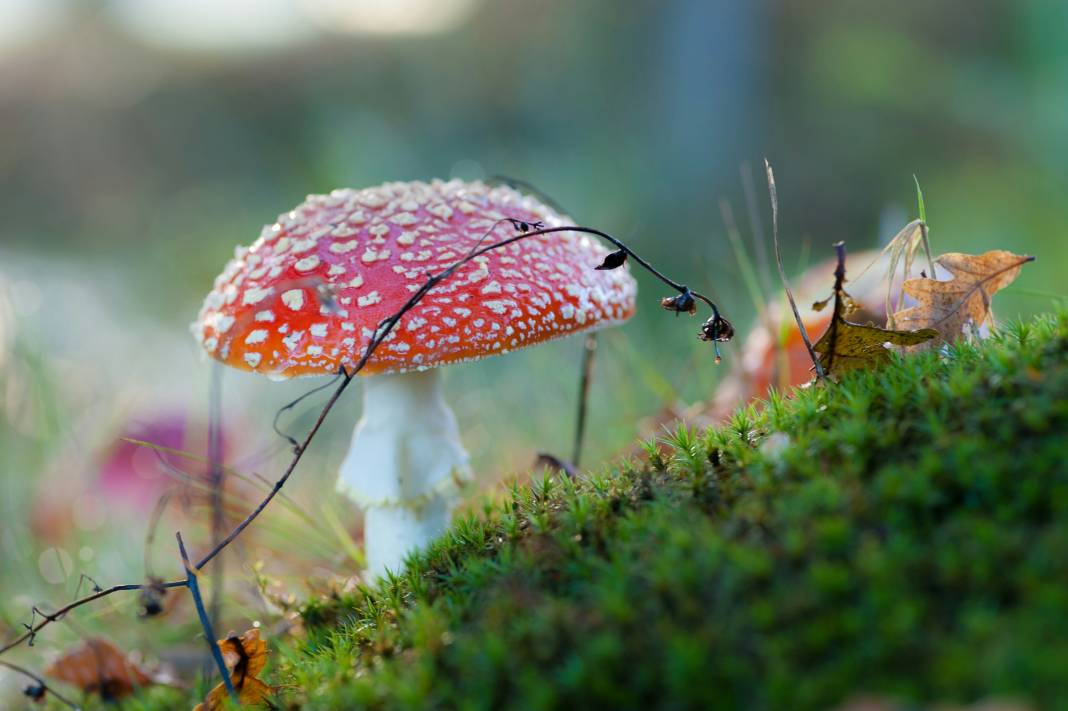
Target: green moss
<point>900,533</point>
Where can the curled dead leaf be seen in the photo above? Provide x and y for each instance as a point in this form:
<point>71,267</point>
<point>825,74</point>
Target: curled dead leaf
<point>99,667</point>
<point>961,306</point>
<point>245,658</point>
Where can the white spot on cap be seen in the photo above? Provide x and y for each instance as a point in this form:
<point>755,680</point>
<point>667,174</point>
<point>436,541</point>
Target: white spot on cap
<point>369,300</point>
<point>441,210</point>
<point>292,340</point>
<point>315,350</point>
<point>257,336</point>
<point>307,264</point>
<point>370,255</point>
<point>266,315</point>
<point>294,299</point>
<point>318,330</point>
<point>253,359</point>
<point>254,295</point>
<point>344,247</point>
<point>404,219</point>
<point>494,287</point>
<point>223,324</point>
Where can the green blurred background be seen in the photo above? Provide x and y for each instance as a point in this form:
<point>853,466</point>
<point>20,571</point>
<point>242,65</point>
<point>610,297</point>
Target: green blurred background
<point>140,140</point>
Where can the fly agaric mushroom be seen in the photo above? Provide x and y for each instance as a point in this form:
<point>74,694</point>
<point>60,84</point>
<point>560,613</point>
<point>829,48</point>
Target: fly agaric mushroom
<point>307,297</point>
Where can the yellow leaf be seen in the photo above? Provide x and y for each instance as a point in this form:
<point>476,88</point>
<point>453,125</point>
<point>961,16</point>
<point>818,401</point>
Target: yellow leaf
<point>845,345</point>
<point>960,306</point>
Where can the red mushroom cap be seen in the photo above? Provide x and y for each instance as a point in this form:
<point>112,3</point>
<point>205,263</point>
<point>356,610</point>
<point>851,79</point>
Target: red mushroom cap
<point>306,297</point>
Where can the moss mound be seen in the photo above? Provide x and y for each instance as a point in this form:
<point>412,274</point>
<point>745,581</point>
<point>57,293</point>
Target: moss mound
<point>902,533</point>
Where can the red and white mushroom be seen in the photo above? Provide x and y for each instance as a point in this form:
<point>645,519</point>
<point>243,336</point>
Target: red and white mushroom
<point>308,295</point>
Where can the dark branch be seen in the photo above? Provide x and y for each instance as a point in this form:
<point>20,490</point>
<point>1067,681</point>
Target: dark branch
<point>192,582</point>
<point>38,691</point>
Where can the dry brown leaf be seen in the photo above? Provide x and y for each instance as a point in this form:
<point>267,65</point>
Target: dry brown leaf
<point>960,306</point>
<point>245,658</point>
<point>845,345</point>
<point>98,666</point>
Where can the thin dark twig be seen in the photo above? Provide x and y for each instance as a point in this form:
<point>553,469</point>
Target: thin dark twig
<point>193,584</point>
<point>41,683</point>
<point>589,355</point>
<point>782,270</point>
<point>839,282</point>
<point>35,628</point>
<point>294,444</point>
<point>81,579</point>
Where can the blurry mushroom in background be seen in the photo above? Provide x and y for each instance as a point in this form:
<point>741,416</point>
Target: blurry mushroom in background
<point>307,297</point>
<point>774,354</point>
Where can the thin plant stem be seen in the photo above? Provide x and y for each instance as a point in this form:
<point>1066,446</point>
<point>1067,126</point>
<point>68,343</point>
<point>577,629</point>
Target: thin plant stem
<point>589,355</point>
<point>782,270</point>
<point>40,682</point>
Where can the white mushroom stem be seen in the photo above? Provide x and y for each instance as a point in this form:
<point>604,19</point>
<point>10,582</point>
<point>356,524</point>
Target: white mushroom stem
<point>404,466</point>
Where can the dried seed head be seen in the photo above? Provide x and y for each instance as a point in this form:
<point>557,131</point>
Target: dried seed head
<point>717,329</point>
<point>680,303</point>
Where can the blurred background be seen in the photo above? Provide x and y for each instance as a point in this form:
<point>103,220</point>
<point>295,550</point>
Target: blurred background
<point>141,140</point>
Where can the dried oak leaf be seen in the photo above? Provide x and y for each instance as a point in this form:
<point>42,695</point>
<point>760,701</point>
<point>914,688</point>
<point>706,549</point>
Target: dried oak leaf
<point>961,305</point>
<point>245,658</point>
<point>98,666</point>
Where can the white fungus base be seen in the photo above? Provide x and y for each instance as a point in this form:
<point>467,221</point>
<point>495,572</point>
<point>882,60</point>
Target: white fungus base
<point>392,532</point>
<point>404,466</point>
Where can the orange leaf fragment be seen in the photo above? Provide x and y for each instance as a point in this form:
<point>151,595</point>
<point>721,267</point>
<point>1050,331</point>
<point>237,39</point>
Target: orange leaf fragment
<point>98,666</point>
<point>245,658</point>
